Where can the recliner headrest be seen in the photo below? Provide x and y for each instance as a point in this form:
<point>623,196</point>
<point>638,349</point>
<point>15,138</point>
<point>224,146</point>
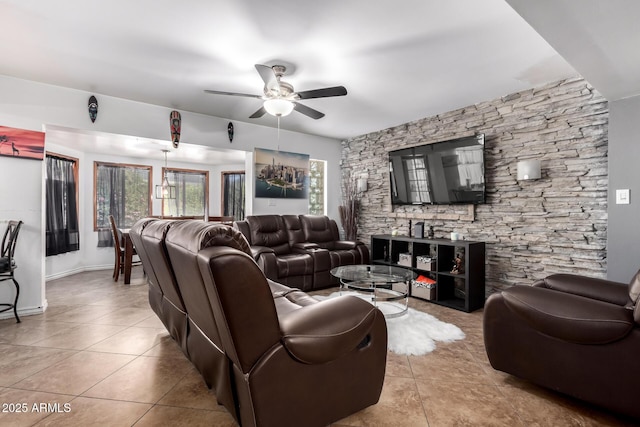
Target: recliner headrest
<point>195,235</point>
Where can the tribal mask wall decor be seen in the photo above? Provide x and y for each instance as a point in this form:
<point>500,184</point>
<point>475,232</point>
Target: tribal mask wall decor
<point>93,108</point>
<point>175,123</point>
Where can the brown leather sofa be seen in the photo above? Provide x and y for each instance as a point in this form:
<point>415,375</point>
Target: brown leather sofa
<point>148,237</point>
<point>300,250</point>
<point>573,334</point>
<point>274,355</point>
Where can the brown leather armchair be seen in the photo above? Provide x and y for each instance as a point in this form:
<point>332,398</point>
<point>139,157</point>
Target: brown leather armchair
<point>573,334</point>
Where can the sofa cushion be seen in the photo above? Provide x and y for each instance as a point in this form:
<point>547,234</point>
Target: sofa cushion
<point>294,265</point>
<point>294,229</point>
<point>270,231</point>
<point>317,229</point>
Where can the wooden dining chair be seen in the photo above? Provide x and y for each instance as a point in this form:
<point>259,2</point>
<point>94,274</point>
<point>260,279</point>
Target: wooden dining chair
<point>118,245</point>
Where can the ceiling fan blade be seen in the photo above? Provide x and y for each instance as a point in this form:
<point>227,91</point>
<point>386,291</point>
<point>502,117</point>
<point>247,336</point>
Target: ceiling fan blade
<point>269,77</point>
<point>220,92</point>
<point>261,112</point>
<point>323,93</point>
<point>307,111</point>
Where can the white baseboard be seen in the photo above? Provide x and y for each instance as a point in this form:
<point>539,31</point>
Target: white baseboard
<point>77,270</point>
<point>23,312</point>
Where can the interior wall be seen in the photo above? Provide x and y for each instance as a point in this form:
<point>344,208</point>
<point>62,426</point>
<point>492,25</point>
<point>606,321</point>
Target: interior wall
<point>21,196</point>
<point>31,105</point>
<point>531,228</point>
<point>624,173</point>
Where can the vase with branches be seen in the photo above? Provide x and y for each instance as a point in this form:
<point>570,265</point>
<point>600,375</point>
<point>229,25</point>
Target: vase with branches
<point>350,208</point>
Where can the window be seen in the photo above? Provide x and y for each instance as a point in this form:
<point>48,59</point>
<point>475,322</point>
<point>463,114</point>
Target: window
<point>123,191</point>
<point>192,192</point>
<point>233,194</point>
<point>417,179</point>
<point>316,187</point>
<point>62,232</point>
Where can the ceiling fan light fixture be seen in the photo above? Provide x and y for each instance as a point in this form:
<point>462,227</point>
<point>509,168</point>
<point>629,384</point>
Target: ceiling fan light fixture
<point>278,107</point>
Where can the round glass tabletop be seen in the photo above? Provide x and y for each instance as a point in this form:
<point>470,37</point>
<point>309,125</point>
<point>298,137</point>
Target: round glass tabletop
<point>373,273</point>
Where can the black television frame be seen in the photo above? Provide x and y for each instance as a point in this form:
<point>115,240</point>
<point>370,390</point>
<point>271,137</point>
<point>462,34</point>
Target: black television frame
<point>436,158</point>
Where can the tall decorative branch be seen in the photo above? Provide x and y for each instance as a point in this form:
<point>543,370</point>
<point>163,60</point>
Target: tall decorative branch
<point>350,208</point>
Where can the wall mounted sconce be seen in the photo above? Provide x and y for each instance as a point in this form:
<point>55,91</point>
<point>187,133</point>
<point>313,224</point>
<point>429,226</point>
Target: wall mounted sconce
<point>166,190</point>
<point>361,184</point>
<point>528,169</point>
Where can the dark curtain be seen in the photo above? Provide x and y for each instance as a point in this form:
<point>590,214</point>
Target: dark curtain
<point>110,185</point>
<point>233,197</point>
<point>62,234</point>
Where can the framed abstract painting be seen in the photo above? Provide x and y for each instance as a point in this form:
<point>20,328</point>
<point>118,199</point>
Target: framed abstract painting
<point>21,143</point>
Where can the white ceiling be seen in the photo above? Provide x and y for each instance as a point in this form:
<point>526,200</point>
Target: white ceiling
<point>400,60</point>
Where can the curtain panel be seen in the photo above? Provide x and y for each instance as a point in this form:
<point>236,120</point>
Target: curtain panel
<point>62,231</point>
<point>233,195</point>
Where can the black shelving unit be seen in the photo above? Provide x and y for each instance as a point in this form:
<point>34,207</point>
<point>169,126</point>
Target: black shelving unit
<point>462,290</point>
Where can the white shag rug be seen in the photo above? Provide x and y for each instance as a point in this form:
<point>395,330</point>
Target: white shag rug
<point>415,332</point>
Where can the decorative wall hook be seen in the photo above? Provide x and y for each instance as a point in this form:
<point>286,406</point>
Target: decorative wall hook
<point>175,121</point>
<point>230,131</point>
<point>93,108</point>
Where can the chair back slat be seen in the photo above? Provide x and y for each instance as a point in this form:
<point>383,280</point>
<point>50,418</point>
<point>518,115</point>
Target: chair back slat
<point>10,239</point>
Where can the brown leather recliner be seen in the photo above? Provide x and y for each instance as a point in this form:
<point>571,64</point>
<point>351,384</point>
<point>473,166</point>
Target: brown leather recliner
<point>308,365</point>
<point>148,236</point>
<point>323,231</point>
<point>283,245</point>
<point>290,264</point>
<point>573,334</point>
<point>274,355</point>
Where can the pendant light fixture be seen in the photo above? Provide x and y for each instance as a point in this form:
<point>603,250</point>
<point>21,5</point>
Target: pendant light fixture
<point>165,191</point>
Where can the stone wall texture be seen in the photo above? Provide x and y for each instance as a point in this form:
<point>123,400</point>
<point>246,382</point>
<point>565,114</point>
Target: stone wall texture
<point>531,228</point>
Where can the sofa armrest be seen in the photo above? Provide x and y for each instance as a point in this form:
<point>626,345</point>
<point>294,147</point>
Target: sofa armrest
<point>571,318</point>
<point>321,257</point>
<point>304,247</point>
<point>265,257</point>
<point>256,251</point>
<point>345,244</point>
<point>589,287</point>
<point>325,331</point>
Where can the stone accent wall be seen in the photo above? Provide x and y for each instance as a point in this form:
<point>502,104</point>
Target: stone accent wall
<point>531,228</point>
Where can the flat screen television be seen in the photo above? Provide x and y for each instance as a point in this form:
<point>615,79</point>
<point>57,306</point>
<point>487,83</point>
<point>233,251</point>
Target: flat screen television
<point>445,172</point>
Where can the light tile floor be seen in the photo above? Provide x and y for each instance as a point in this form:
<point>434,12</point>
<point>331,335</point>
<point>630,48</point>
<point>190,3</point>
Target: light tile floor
<point>100,356</point>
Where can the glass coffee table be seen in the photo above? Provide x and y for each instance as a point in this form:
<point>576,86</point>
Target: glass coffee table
<point>387,287</point>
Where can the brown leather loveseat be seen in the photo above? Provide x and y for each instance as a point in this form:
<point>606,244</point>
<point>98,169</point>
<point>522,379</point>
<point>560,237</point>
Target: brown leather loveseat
<point>274,355</point>
<point>573,334</point>
<point>300,250</point>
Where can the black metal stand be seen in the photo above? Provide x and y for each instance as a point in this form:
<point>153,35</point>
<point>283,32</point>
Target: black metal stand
<point>13,306</point>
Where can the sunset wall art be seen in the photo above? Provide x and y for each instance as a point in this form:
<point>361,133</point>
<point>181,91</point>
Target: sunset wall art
<point>21,143</point>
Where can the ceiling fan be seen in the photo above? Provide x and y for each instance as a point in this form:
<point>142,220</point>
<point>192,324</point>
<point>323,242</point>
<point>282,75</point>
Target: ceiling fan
<point>280,98</point>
